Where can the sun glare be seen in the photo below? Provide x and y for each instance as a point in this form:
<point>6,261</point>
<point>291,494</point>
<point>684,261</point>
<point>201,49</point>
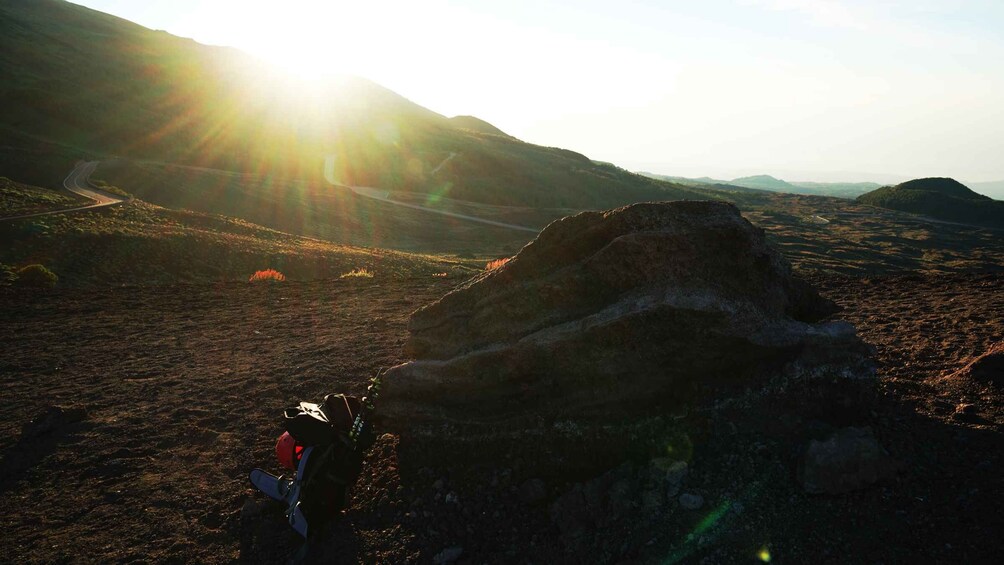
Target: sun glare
<point>305,61</point>
<point>311,41</point>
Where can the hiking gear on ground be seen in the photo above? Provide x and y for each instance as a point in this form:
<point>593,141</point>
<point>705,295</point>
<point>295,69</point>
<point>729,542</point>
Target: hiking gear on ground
<point>331,421</point>
<point>287,451</point>
<point>288,491</point>
<point>325,444</point>
<point>276,488</point>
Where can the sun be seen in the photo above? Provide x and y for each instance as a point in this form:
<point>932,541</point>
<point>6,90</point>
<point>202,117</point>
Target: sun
<point>304,61</point>
<point>310,40</point>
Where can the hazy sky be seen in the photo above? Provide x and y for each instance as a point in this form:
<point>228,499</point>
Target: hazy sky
<point>801,89</point>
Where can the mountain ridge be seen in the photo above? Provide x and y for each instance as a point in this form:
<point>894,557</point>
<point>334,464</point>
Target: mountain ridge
<point>83,81</point>
<point>847,190</point>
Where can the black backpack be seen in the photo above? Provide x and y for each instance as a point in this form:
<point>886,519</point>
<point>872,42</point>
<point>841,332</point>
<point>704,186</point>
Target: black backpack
<point>336,458</point>
<point>322,424</point>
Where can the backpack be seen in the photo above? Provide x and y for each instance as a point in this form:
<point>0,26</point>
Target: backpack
<point>323,424</point>
<point>335,462</point>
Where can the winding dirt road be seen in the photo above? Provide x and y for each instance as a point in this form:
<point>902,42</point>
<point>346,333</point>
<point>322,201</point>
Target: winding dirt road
<point>77,183</point>
<point>384,196</point>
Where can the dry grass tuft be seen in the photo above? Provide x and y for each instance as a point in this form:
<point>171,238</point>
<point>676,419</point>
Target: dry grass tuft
<point>492,265</point>
<point>268,275</point>
<point>362,273</point>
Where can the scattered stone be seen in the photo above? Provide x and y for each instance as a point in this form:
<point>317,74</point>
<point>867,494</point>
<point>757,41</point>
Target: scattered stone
<point>571,512</point>
<point>966,412</point>
<point>533,492</point>
<point>448,555</point>
<point>652,501</point>
<point>621,495</point>
<point>850,459</point>
<point>965,408</point>
<point>987,368</point>
<point>689,501</point>
<point>675,471</point>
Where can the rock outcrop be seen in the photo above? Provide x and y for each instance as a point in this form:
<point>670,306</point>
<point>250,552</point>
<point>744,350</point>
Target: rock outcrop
<point>611,313</point>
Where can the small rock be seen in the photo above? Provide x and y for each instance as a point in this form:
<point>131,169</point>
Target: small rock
<point>452,498</point>
<point>571,513</point>
<point>533,492</point>
<point>689,501</point>
<point>850,459</point>
<point>651,502</point>
<point>621,497</point>
<point>438,485</point>
<point>448,555</point>
<point>676,472</point>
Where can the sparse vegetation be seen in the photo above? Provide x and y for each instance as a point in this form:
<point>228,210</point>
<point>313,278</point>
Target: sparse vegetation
<point>105,187</point>
<point>35,276</point>
<point>138,243</point>
<point>7,275</point>
<point>18,198</point>
<point>497,263</point>
<point>357,273</point>
<point>267,276</point>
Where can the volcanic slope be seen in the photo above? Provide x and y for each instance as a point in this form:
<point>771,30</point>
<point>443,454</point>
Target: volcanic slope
<point>82,83</point>
<point>141,243</point>
<point>941,198</point>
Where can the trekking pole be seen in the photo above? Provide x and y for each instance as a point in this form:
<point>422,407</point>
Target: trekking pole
<point>362,425</point>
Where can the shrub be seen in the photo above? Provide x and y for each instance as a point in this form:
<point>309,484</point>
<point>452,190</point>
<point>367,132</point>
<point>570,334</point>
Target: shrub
<point>268,275</point>
<point>36,276</point>
<point>492,265</point>
<point>105,187</point>
<point>363,273</point>
<point>7,275</point>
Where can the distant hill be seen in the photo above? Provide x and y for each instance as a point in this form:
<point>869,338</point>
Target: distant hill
<point>80,83</point>
<point>940,198</point>
<point>847,190</point>
<point>764,182</point>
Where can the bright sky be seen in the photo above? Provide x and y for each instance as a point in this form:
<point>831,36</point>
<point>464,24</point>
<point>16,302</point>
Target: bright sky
<point>802,89</point>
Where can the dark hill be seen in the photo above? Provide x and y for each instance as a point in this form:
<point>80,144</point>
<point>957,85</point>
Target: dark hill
<point>940,198</point>
<point>77,82</point>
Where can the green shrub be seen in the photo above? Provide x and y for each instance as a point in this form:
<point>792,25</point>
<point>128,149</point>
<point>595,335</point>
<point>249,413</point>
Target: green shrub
<point>7,275</point>
<point>36,276</point>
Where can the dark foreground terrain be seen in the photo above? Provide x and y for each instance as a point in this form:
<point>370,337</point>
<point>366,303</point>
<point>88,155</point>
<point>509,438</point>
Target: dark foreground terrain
<point>183,387</point>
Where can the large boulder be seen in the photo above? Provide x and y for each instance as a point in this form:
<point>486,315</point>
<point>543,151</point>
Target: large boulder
<point>614,313</point>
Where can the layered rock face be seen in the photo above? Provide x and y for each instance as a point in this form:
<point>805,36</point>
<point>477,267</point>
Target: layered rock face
<point>607,312</point>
